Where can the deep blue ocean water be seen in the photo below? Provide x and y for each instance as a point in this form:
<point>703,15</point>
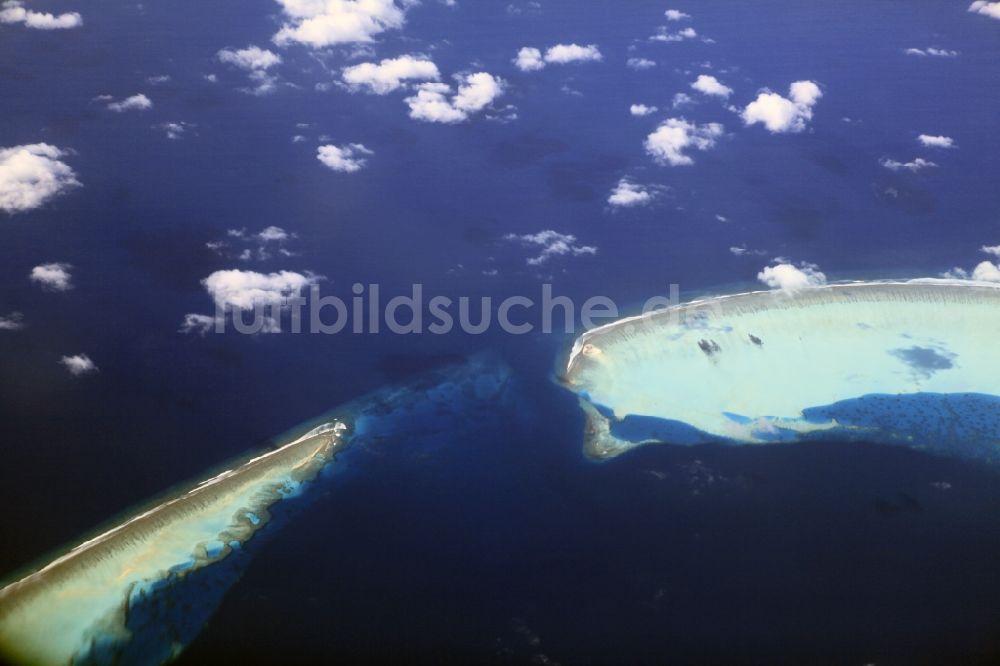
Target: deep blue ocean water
<point>496,547</point>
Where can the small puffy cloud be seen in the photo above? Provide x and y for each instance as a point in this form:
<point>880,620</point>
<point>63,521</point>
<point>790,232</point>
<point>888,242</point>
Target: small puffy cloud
<point>347,158</point>
<point>12,322</point>
<point>780,114</point>
<point>991,249</point>
<point>389,74</point>
<point>53,277</point>
<point>552,244</point>
<point>30,175</point>
<point>640,63</point>
<point>137,102</point>
<point>991,9</point>
<point>158,79</point>
<point>709,85</point>
<point>475,93</point>
<point>245,290</point>
<point>13,11</point>
<point>323,23</point>
<point>931,51</point>
<point>929,141</point>
<point>790,278</point>
<point>529,59</point>
<point>561,54</point>
<point>641,110</point>
<point>667,145</point>
<point>627,194</point>
<point>676,15</point>
<point>986,271</point>
<point>664,35</point>
<point>914,166</point>
<point>252,58</point>
<point>79,364</point>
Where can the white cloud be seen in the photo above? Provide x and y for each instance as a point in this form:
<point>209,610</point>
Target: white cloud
<point>32,174</point>
<point>174,130</point>
<point>986,271</point>
<point>991,249</point>
<point>260,246</point>
<point>641,110</point>
<point>780,114</point>
<point>552,243</point>
<point>80,364</point>
<point>256,62</point>
<point>560,54</point>
<point>709,85</point>
<point>252,58</point>
<point>12,322</point>
<point>137,102</point>
<point>158,79</point>
<point>790,278</point>
<point>389,74</point>
<point>664,35</point>
<point>13,11</point>
<point>743,251</point>
<point>53,277</point>
<point>930,141</point>
<point>627,194</point>
<point>682,99</point>
<point>991,9</point>
<point>197,323</point>
<point>347,158</point>
<point>475,93</point>
<point>322,23</point>
<point>914,166</point>
<point>640,63</point>
<point>931,51</point>
<point>676,15</point>
<point>529,59</point>
<point>245,290</point>
<point>675,135</point>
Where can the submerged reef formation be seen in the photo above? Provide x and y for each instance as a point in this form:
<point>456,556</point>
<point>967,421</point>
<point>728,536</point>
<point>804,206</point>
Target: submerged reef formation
<point>139,592</point>
<point>912,363</point>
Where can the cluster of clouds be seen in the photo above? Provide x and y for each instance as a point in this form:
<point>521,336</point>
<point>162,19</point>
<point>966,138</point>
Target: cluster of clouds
<point>348,158</point>
<point>530,59</point>
<point>781,114</point>
<point>991,9</point>
<point>261,246</point>
<point>438,103</point>
<point>919,163</point>
<point>257,63</point>
<point>31,175</point>
<point>789,278</point>
<point>669,143</point>
<point>550,244</point>
<point>431,100</point>
<point>13,11</point>
<point>985,271</point>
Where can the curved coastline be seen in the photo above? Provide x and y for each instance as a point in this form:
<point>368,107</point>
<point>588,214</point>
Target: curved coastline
<point>728,385</point>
